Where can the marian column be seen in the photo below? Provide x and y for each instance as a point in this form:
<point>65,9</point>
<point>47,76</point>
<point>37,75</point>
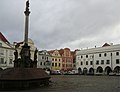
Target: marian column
<point>27,12</point>
<point>25,51</point>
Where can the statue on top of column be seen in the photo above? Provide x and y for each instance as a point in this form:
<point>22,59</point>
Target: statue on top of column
<point>27,12</point>
<point>27,3</point>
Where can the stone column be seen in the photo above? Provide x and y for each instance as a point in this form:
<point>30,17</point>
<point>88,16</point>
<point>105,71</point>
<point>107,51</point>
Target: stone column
<point>27,12</point>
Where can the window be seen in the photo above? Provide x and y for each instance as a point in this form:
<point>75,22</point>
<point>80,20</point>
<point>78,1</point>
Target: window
<point>86,62</point>
<point>1,60</point>
<point>41,63</point>
<point>55,64</point>
<point>117,53</point>
<point>91,62</point>
<point>59,64</point>
<point>81,56</point>
<point>42,57</point>
<point>47,58</point>
<point>10,62</point>
<point>97,62</point>
<point>44,63</point>
<point>86,56</point>
<point>81,63</point>
<point>105,54</point>
<point>102,62</point>
<point>52,64</point>
<point>1,52</point>
<point>117,61</point>
<point>99,55</point>
<point>108,62</point>
<point>63,65</point>
<point>111,54</point>
<point>55,59</point>
<point>59,59</point>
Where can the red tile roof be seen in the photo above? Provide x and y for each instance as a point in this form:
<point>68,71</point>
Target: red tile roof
<point>2,37</point>
<point>61,51</point>
<point>66,49</point>
<point>50,52</point>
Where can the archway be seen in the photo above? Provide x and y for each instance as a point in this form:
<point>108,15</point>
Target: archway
<point>99,69</point>
<point>117,69</point>
<point>79,70</point>
<point>108,70</point>
<point>1,69</point>
<point>91,71</point>
<point>85,70</point>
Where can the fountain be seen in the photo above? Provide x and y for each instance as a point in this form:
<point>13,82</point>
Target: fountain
<point>25,73</point>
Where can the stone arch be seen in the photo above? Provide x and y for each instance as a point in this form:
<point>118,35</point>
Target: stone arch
<point>79,70</point>
<point>1,69</point>
<point>85,70</point>
<point>117,69</point>
<point>108,70</point>
<point>91,71</point>
<point>99,69</point>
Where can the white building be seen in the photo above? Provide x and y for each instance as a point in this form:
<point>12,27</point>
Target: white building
<point>102,60</point>
<point>6,53</point>
<point>44,60</point>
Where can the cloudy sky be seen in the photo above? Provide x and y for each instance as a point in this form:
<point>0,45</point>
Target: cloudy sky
<point>56,24</point>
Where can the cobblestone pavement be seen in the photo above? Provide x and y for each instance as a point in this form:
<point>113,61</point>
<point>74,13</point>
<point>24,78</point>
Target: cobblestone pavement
<point>77,83</point>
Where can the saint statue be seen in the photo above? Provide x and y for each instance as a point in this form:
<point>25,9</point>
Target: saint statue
<point>27,3</point>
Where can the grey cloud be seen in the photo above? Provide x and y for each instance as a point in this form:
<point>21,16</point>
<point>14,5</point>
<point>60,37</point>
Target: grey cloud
<point>59,23</point>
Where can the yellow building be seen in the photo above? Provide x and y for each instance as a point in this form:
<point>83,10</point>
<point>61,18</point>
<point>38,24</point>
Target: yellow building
<point>56,60</point>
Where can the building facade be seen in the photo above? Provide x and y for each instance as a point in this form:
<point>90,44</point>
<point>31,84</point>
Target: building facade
<point>44,60</point>
<point>56,60</point>
<point>67,59</point>
<point>102,60</point>
<point>18,46</point>
<point>6,53</point>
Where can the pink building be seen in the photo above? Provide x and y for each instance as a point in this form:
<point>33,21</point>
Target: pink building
<point>67,59</point>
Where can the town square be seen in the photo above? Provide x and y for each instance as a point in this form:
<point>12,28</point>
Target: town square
<point>55,55</point>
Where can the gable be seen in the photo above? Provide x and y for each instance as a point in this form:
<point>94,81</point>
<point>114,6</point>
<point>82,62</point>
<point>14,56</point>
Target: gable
<point>3,44</point>
<point>2,38</point>
<point>56,53</point>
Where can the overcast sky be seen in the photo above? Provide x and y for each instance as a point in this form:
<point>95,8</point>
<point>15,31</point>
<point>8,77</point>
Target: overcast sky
<point>56,24</point>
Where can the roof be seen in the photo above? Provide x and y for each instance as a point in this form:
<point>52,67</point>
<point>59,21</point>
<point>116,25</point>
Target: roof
<point>66,49</point>
<point>99,50</point>
<point>61,51</point>
<point>51,51</point>
<point>106,44</point>
<point>2,37</point>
